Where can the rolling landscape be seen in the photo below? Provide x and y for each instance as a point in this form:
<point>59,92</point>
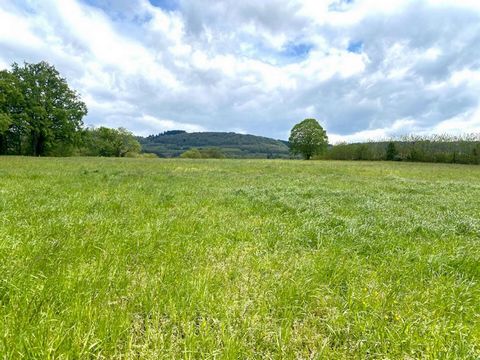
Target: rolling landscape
<point>188,179</point>
<point>232,145</point>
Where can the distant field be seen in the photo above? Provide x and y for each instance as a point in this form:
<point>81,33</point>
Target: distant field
<point>150,258</point>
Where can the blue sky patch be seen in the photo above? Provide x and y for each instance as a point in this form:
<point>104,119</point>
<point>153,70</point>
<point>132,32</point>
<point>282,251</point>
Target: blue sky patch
<point>297,50</point>
<point>168,5</point>
<point>355,47</point>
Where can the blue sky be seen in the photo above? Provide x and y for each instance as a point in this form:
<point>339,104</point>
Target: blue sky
<point>366,69</point>
<point>167,5</point>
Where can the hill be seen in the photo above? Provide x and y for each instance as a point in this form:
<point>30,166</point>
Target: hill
<point>233,145</point>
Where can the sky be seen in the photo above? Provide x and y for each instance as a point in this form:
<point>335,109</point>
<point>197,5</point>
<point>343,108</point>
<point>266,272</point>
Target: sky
<point>365,69</point>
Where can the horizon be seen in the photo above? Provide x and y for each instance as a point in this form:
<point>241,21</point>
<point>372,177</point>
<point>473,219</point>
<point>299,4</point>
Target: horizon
<point>365,69</point>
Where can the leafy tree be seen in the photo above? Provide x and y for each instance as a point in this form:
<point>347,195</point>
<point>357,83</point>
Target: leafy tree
<point>5,123</point>
<point>11,111</point>
<point>391,151</point>
<point>108,142</point>
<point>50,114</point>
<point>308,138</point>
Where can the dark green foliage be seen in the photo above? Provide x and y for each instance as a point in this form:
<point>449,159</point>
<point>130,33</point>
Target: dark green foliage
<point>41,115</point>
<point>5,122</point>
<point>476,154</point>
<point>344,151</point>
<point>438,149</point>
<point>391,151</point>
<point>307,139</point>
<point>11,112</point>
<point>208,153</point>
<point>108,142</point>
<point>176,142</point>
<point>174,132</point>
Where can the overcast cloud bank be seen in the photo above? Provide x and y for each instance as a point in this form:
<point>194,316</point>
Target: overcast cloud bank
<point>365,69</point>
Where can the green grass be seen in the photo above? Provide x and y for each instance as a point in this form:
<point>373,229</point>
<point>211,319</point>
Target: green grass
<point>149,259</point>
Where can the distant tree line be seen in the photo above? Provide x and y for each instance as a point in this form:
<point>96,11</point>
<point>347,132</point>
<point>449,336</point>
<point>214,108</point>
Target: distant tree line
<point>438,149</point>
<point>310,140</point>
<point>41,116</point>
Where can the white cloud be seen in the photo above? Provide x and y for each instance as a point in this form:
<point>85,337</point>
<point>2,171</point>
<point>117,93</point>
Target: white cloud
<point>462,124</point>
<point>259,67</point>
<point>153,124</point>
<point>399,127</point>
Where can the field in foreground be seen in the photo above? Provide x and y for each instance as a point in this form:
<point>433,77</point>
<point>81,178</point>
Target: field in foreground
<point>110,258</point>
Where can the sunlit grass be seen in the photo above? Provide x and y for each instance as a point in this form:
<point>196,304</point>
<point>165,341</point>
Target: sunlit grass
<point>149,258</point>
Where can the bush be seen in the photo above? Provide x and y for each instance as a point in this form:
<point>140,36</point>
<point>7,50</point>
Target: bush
<point>191,154</point>
<point>208,153</point>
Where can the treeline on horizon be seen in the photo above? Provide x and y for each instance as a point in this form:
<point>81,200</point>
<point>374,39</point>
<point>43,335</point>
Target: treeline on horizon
<point>462,149</point>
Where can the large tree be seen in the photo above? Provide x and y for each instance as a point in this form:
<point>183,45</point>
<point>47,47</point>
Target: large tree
<point>105,141</point>
<point>11,112</point>
<point>47,115</point>
<point>308,138</point>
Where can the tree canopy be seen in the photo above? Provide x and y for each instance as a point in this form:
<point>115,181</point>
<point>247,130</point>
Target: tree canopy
<point>308,138</point>
<point>39,113</point>
<point>105,141</point>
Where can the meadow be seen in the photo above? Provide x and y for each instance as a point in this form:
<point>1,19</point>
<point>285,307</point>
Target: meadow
<point>268,259</point>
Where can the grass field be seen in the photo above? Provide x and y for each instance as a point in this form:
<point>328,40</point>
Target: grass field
<point>149,258</point>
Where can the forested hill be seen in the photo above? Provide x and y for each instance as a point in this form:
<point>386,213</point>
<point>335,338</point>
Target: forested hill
<point>174,143</point>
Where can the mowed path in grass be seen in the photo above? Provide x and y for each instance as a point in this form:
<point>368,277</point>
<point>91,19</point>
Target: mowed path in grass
<point>151,258</point>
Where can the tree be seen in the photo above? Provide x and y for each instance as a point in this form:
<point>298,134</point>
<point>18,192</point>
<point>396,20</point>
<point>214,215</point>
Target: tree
<point>308,138</point>
<point>51,112</point>
<point>5,123</point>
<point>11,112</point>
<point>391,151</point>
<point>108,142</point>
<point>126,143</point>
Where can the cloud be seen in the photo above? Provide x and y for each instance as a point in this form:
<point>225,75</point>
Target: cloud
<point>364,68</point>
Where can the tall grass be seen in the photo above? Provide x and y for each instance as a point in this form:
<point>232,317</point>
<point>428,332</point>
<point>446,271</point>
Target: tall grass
<point>106,258</point>
<point>437,149</point>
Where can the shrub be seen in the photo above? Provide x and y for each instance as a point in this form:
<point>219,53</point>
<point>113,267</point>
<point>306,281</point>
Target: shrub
<point>191,154</point>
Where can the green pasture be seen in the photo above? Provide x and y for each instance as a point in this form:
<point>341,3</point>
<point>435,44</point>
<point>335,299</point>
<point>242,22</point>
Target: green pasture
<point>106,258</point>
